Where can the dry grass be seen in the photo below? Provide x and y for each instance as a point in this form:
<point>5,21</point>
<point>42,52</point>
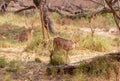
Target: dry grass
<point>71,29</point>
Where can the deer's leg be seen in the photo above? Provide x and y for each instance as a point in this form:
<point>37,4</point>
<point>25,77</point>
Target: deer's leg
<point>47,30</point>
<point>51,56</point>
<point>67,57</point>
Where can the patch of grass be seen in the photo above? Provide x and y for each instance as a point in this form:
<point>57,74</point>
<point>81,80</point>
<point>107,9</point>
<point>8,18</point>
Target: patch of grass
<point>2,62</point>
<point>7,78</point>
<point>110,21</point>
<point>97,43</point>
<point>16,19</point>
<point>34,44</point>
<point>76,77</point>
<point>98,67</point>
<point>4,44</point>
<point>58,58</point>
<point>37,60</point>
<point>15,66</point>
<point>38,45</point>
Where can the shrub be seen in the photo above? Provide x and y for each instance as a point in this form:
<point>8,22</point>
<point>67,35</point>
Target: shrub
<point>98,67</point>
<point>57,58</point>
<point>4,44</point>
<point>37,60</point>
<point>2,62</point>
<point>97,43</point>
<point>15,66</point>
<point>7,78</point>
<point>33,44</point>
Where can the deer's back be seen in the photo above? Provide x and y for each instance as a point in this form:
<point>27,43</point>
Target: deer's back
<point>60,43</point>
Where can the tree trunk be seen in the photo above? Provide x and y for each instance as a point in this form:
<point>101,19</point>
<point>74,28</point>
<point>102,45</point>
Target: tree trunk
<point>46,16</point>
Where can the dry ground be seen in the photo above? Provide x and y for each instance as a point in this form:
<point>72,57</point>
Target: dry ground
<point>37,71</point>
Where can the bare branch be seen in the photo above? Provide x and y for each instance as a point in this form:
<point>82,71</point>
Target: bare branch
<point>116,17</point>
<point>97,2</point>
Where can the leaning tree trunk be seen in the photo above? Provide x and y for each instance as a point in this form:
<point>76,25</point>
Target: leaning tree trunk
<point>46,16</point>
<point>48,22</point>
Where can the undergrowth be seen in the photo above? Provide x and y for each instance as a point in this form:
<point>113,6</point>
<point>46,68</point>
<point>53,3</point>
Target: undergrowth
<point>98,43</point>
<point>4,44</point>
<point>34,44</point>
<point>2,62</point>
<point>15,66</point>
<point>58,58</point>
<point>99,67</point>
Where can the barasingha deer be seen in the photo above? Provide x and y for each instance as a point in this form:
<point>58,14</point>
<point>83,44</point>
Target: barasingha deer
<point>67,45</point>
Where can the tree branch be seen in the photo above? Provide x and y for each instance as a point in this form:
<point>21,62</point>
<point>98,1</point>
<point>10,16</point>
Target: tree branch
<point>114,14</point>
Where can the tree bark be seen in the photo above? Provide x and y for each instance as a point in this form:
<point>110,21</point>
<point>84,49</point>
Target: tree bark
<point>48,23</point>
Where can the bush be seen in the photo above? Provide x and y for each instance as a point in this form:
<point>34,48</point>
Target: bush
<point>37,60</point>
<point>2,62</point>
<point>98,67</point>
<point>33,44</point>
<point>4,44</point>
<point>15,66</point>
<point>7,78</point>
<point>97,43</point>
<point>57,58</point>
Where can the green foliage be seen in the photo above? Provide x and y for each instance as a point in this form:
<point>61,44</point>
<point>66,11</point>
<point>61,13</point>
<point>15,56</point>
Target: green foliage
<point>110,21</point>
<point>15,66</point>
<point>37,60</point>
<point>4,44</point>
<point>7,78</point>
<point>57,58</point>
<point>2,62</point>
<point>34,44</point>
<point>97,43</point>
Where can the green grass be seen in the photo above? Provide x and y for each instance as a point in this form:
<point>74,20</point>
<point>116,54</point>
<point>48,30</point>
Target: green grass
<point>110,21</point>
<point>18,20</point>
<point>58,58</point>
<point>99,67</point>
<point>34,44</point>
<point>98,43</point>
<point>15,66</point>
<point>8,78</point>
<point>2,62</point>
<point>14,24</point>
<point>4,44</point>
<point>37,60</point>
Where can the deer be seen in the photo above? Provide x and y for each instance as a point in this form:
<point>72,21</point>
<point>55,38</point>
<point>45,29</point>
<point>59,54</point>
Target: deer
<point>26,35</point>
<point>61,43</point>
